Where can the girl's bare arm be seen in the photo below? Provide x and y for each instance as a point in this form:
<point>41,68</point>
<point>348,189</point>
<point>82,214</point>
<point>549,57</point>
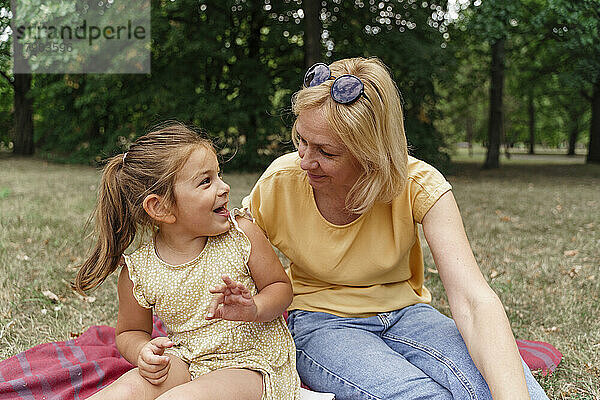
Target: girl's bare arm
<point>274,286</point>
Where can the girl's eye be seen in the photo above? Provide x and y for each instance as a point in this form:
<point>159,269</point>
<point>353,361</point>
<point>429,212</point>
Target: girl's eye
<point>204,181</point>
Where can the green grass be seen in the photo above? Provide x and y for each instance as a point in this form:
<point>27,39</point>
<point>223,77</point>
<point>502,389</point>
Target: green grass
<point>534,227</point>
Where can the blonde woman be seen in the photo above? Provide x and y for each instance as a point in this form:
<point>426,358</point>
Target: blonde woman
<point>344,209</point>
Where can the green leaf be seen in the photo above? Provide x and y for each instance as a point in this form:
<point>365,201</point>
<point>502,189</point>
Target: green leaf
<point>4,192</point>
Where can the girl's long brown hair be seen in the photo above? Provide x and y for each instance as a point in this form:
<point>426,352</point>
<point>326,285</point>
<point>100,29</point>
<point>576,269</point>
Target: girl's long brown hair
<point>149,167</point>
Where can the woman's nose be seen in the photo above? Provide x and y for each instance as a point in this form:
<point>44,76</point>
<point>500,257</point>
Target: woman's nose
<point>307,160</point>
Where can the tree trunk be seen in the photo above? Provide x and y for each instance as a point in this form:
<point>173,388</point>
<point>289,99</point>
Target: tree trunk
<point>250,91</point>
<point>496,109</point>
<point>573,137</point>
<point>531,110</point>
<point>312,32</point>
<point>23,103</point>
<point>469,130</point>
<point>593,155</point>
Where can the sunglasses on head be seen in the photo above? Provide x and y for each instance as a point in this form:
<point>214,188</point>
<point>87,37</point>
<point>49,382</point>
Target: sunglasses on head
<point>346,89</point>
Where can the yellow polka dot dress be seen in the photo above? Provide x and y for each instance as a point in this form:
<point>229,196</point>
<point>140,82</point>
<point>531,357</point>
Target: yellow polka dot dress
<point>179,296</point>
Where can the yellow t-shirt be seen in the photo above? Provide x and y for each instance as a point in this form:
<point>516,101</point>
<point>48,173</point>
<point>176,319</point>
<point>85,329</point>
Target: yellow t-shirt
<point>371,265</point>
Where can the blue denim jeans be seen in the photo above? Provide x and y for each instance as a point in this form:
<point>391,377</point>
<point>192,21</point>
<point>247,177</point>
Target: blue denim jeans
<point>412,353</point>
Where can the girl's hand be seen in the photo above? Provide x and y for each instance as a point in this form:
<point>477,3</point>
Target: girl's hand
<point>232,301</point>
<point>153,366</point>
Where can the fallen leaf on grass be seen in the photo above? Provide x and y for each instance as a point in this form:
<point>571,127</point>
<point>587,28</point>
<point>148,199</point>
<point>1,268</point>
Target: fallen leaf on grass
<point>551,329</point>
<point>75,259</point>
<point>433,271</point>
<point>50,295</point>
<point>4,328</point>
<point>570,253</point>
<point>573,271</point>
<point>23,257</point>
<point>592,369</point>
<point>493,274</point>
<point>89,299</point>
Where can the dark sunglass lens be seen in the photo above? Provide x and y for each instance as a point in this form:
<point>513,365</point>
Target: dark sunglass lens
<point>316,75</point>
<point>346,89</point>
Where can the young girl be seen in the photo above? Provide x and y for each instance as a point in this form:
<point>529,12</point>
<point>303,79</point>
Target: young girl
<point>210,275</point>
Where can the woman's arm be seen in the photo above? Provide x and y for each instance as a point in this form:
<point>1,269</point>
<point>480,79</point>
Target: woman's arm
<point>476,309</point>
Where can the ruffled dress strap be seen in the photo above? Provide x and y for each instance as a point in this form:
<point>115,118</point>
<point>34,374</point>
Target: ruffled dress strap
<point>136,272</point>
<point>241,212</point>
<point>242,241</point>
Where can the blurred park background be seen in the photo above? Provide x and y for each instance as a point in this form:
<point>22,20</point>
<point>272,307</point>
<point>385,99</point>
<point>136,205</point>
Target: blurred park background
<point>506,74</point>
<point>503,96</point>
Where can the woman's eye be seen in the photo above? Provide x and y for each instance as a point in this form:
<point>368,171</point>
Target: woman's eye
<point>326,154</point>
<point>204,181</point>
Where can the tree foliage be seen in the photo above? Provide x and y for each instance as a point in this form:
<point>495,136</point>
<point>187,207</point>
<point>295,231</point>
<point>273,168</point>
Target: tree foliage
<point>550,68</point>
<point>231,67</point>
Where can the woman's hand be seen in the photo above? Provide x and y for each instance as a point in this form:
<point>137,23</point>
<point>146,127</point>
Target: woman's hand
<point>233,302</point>
<point>152,364</point>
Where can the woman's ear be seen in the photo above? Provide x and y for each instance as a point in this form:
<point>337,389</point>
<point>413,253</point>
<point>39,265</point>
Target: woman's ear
<point>155,208</point>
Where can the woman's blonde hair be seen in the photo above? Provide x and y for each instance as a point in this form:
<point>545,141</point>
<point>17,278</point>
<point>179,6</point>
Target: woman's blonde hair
<point>150,166</point>
<point>372,129</point>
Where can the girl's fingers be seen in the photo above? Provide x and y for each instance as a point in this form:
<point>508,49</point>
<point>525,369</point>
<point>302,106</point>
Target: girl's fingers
<point>158,381</point>
<point>246,293</point>
<point>148,354</point>
<point>231,284</point>
<point>155,377</point>
<point>149,368</point>
<point>214,304</point>
<point>218,289</point>
<point>234,287</point>
<point>160,344</point>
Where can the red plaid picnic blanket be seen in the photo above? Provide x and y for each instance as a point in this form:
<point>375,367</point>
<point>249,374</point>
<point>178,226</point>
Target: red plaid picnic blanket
<point>74,369</point>
<point>77,368</point>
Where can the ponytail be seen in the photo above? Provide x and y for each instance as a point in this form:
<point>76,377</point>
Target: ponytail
<point>114,227</point>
